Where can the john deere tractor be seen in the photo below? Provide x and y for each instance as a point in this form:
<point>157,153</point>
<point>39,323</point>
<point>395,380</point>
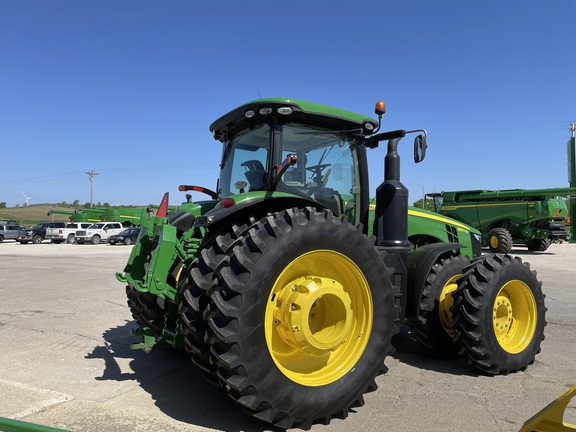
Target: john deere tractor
<point>286,292</point>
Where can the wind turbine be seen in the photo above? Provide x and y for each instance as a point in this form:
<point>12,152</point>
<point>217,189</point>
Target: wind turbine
<point>27,198</point>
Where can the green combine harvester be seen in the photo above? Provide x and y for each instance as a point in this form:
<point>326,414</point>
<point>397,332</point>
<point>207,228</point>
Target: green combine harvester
<point>531,217</point>
<point>286,288</point>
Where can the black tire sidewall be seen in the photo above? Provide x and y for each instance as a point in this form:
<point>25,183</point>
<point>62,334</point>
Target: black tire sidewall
<point>505,360</point>
<point>259,362</point>
<point>436,333</point>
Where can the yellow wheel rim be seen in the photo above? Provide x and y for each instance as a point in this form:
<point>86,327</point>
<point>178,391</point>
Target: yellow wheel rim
<point>318,318</point>
<point>179,274</point>
<point>514,316</point>
<point>494,242</point>
<point>445,303</point>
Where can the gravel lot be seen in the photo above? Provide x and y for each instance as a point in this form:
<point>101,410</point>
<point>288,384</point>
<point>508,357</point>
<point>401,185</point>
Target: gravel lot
<point>66,362</point>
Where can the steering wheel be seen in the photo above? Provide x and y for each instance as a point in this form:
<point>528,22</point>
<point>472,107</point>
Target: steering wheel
<point>317,173</point>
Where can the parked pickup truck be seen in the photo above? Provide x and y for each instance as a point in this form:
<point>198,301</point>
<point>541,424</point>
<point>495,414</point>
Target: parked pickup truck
<point>100,231</point>
<point>37,232</point>
<point>66,234</point>
<point>9,231</point>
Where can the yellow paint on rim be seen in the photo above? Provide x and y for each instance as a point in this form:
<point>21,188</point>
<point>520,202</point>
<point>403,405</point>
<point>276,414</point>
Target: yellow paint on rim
<point>514,316</point>
<point>318,318</point>
<point>494,242</point>
<point>445,302</point>
<point>179,274</point>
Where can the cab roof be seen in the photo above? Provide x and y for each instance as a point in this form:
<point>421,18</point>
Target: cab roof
<point>293,110</point>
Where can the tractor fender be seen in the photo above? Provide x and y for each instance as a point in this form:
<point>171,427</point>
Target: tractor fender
<point>255,206</point>
<point>419,265</point>
<point>183,221</point>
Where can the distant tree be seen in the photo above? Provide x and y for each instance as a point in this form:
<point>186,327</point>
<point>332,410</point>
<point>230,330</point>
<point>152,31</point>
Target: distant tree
<point>99,204</point>
<point>106,204</point>
<point>2,204</point>
<point>76,203</point>
<point>427,205</point>
<point>87,205</point>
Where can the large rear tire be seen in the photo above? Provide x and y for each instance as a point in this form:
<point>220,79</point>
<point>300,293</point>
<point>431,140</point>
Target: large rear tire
<point>302,318</point>
<point>194,305</point>
<point>433,325</point>
<point>499,314</point>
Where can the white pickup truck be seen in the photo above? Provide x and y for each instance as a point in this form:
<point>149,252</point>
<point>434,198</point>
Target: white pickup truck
<point>66,234</point>
<point>97,232</point>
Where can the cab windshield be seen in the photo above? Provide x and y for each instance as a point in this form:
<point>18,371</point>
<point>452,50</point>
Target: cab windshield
<point>244,162</point>
<point>326,169</point>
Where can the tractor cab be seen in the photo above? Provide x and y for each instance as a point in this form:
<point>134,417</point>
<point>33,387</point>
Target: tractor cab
<point>284,148</point>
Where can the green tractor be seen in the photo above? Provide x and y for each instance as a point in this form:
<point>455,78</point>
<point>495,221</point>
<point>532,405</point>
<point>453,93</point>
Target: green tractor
<point>286,290</point>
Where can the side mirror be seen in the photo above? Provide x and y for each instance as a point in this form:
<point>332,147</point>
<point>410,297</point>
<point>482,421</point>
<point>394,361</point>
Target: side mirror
<point>420,148</point>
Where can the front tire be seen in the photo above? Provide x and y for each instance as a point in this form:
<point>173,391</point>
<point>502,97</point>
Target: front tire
<point>500,240</point>
<point>70,239</point>
<point>303,317</point>
<point>499,314</point>
<point>95,239</point>
<point>432,327</point>
<point>37,239</point>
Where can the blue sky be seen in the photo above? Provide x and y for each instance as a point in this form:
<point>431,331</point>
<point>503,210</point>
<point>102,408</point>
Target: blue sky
<point>129,88</point>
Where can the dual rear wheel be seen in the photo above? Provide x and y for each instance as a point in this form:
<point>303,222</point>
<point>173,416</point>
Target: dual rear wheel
<point>491,311</point>
<point>300,314</point>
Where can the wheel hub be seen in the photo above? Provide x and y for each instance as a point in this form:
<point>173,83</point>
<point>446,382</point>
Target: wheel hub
<point>494,242</point>
<point>446,301</point>
<point>318,318</point>
<point>503,315</point>
<point>514,316</point>
<point>313,314</point>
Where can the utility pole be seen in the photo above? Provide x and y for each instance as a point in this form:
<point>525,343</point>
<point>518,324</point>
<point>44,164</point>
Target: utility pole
<point>572,177</point>
<point>91,175</point>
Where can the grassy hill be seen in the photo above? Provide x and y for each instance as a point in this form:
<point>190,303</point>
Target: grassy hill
<point>30,214</point>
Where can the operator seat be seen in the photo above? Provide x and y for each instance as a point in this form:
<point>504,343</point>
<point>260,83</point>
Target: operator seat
<point>330,199</point>
<point>255,174</point>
